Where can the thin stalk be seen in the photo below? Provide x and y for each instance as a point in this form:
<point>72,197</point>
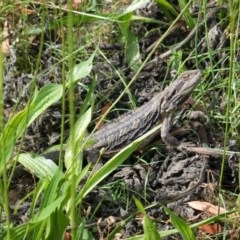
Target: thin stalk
<point>4,184</point>
<point>71,111</point>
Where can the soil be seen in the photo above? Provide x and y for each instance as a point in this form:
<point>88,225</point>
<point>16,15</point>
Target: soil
<point>152,172</point>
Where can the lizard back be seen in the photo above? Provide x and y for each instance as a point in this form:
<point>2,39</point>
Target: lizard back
<point>128,127</point>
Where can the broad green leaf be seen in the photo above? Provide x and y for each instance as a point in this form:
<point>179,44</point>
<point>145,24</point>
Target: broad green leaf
<point>124,24</point>
<point>75,141</point>
<point>48,210</point>
<point>139,205</point>
<point>22,231</point>
<point>131,46</point>
<point>54,188</point>
<point>46,96</point>
<point>53,200</point>
<point>132,52</point>
<point>58,224</point>
<point>150,229</point>
<point>83,233</point>
<point>38,165</point>
<point>184,230</point>
<point>80,71</point>
<point>16,126</point>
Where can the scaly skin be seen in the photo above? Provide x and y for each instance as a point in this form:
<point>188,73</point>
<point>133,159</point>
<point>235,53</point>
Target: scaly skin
<point>114,136</point>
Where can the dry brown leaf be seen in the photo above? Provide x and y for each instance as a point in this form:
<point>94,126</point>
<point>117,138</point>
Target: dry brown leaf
<point>100,123</point>
<point>206,207</point>
<point>211,228</point>
<point>140,215</point>
<point>23,9</point>
<point>75,4</point>
<point>26,11</point>
<point>67,236</point>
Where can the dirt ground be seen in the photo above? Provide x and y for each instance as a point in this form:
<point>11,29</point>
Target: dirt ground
<point>160,173</point>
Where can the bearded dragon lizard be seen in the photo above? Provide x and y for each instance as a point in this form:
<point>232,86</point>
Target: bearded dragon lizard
<point>115,135</point>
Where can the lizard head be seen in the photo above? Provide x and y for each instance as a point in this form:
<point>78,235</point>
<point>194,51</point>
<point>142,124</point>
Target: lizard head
<point>180,90</point>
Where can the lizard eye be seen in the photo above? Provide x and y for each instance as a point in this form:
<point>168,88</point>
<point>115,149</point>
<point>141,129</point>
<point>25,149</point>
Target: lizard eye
<point>185,77</point>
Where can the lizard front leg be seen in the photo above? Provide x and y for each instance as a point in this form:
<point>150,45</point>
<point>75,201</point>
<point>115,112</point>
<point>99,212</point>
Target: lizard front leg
<point>168,138</point>
<point>165,132</point>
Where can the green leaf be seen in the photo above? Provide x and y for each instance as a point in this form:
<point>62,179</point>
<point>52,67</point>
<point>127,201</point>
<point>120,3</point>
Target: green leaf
<point>187,15</point>
<point>184,230</point>
<point>79,19</point>
<point>16,126</point>
<point>124,24</point>
<point>75,141</point>
<point>53,200</point>
<point>47,95</point>
<point>167,8</point>
<point>83,233</point>
<point>80,70</point>
<point>52,191</point>
<point>37,194</point>
<point>132,52</point>
<point>38,165</point>
<point>147,20</point>
<point>131,46</point>
<point>89,99</point>
<point>167,233</point>
<point>48,210</point>
<point>22,231</point>
<point>139,205</point>
<point>150,229</point>
<point>57,227</point>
